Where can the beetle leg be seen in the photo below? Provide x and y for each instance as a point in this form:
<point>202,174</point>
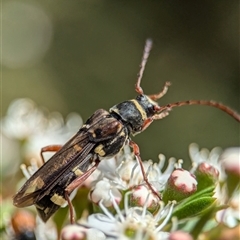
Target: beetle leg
<point>71,210</point>
<point>156,96</point>
<point>80,179</point>
<point>159,116</point>
<point>137,154</point>
<point>147,122</point>
<point>50,148</point>
<point>77,183</point>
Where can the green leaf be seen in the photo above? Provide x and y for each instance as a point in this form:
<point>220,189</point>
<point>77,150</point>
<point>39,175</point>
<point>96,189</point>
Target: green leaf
<point>206,216</point>
<point>208,192</point>
<point>193,207</point>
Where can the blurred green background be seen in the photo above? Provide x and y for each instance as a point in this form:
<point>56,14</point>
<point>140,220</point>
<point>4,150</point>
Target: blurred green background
<point>84,55</point>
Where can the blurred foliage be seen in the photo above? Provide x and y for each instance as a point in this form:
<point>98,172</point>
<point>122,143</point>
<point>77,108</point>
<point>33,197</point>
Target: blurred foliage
<point>84,55</point>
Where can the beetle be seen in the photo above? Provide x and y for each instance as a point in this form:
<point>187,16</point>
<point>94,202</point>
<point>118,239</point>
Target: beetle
<point>103,135</point>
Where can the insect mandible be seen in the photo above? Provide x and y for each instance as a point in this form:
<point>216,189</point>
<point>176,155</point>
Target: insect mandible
<point>103,135</point>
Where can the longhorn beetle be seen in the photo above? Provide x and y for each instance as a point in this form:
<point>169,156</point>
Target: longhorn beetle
<point>103,135</point>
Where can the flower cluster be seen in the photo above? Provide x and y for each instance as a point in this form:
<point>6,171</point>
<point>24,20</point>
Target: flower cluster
<point>127,209</point>
<point>117,201</point>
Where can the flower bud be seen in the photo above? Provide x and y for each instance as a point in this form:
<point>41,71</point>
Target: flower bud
<point>206,175</point>
<point>180,235</point>
<point>73,232</point>
<point>180,185</point>
<point>141,197</point>
<point>230,160</point>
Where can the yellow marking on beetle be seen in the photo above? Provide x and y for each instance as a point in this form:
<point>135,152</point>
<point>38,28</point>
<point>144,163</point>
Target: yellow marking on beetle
<point>39,207</point>
<point>140,108</point>
<point>35,185</point>
<point>57,199</point>
<point>99,150</point>
<point>77,148</point>
<point>85,126</point>
<point>122,134</point>
<point>46,210</point>
<point>77,171</point>
<point>93,133</point>
<point>115,110</point>
<point>151,101</point>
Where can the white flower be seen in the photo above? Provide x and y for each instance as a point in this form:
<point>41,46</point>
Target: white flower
<point>226,161</point>
<point>229,192</point>
<point>23,119</point>
<point>37,127</point>
<point>230,160</point>
<point>101,193</point>
<point>129,209</point>
<point>130,223</point>
<point>230,216</point>
<point>10,153</point>
<point>125,173</point>
<point>205,156</point>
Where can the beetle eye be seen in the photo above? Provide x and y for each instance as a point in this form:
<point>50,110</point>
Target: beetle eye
<point>140,98</point>
<point>151,108</point>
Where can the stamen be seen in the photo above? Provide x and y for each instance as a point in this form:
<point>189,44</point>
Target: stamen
<point>119,166</point>
<point>174,224</point>
<point>149,168</point>
<point>161,211</point>
<point>145,206</point>
<point>126,206</point>
<point>132,175</point>
<point>105,210</point>
<point>169,214</point>
<point>194,167</point>
<point>161,161</point>
<point>34,166</point>
<point>116,207</point>
<point>193,152</point>
<point>171,163</point>
<point>25,172</point>
<point>179,163</point>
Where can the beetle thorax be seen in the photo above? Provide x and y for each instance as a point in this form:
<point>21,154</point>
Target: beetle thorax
<point>134,112</point>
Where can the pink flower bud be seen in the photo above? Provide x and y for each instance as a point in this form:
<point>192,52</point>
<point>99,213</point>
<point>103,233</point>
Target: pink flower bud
<point>73,232</point>
<point>141,196</point>
<point>180,185</point>
<point>180,235</point>
<point>206,175</point>
<point>230,161</point>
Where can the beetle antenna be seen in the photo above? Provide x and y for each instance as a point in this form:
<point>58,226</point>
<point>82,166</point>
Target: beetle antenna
<point>146,52</point>
<point>220,106</point>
